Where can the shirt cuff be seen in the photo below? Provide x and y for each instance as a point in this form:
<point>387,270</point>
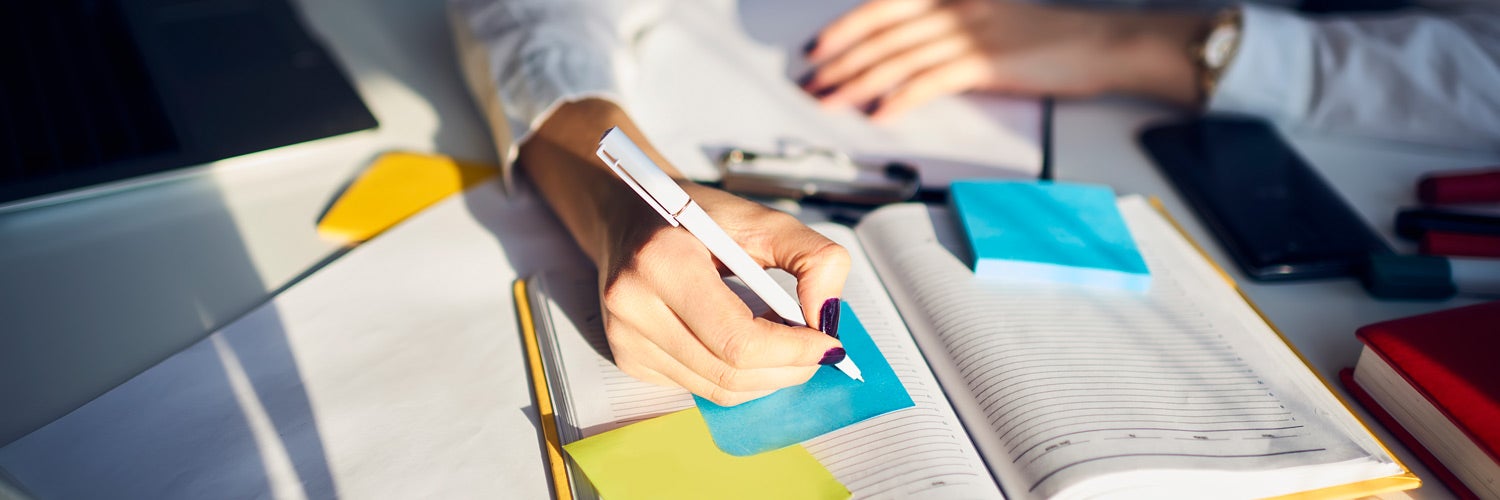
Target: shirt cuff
<point>1271,73</point>
<point>519,76</point>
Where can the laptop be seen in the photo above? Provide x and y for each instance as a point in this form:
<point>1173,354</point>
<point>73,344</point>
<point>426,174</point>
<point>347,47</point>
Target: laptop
<point>96,92</point>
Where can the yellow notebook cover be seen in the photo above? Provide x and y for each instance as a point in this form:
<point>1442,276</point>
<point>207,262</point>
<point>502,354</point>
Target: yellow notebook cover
<point>555,466</point>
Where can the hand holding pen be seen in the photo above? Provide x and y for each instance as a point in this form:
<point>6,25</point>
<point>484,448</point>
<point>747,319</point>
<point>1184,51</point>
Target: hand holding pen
<point>669,316</point>
<point>677,207</point>
<point>664,195</point>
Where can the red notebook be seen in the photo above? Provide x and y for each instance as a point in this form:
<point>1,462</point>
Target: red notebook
<point>1434,380</point>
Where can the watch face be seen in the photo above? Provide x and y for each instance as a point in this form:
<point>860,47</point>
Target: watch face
<point>1219,44</point>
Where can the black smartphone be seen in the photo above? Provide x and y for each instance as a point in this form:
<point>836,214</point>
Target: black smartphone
<point>1275,215</point>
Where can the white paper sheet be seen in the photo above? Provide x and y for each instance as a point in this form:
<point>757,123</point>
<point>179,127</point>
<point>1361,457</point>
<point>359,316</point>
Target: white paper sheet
<point>393,373</point>
<point>717,74</point>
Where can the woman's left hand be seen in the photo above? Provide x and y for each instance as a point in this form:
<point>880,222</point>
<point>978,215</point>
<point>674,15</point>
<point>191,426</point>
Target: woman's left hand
<point>887,56</point>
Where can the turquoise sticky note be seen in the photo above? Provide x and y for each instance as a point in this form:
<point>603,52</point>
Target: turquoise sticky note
<point>1048,232</point>
<point>828,402</point>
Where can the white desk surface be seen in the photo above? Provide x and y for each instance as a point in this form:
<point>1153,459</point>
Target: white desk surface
<point>96,290</point>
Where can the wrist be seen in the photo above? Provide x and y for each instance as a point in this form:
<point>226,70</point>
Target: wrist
<point>1156,58</point>
<point>1218,47</point>
<point>585,194</point>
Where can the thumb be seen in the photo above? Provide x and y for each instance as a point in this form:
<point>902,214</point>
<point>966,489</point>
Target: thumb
<point>819,264</point>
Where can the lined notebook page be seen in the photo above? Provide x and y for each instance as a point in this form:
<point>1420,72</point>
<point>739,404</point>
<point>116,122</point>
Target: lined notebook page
<point>919,452</point>
<point>1065,384</point>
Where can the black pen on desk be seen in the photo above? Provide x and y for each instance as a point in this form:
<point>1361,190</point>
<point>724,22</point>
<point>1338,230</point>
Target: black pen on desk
<point>1414,222</point>
<point>1430,277</point>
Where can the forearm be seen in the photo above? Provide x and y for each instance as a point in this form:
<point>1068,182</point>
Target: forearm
<point>1153,57</point>
<point>588,197</point>
<point>1418,75</point>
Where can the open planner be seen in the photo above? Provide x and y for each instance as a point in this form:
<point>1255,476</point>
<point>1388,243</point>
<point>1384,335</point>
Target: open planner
<point>1024,390</point>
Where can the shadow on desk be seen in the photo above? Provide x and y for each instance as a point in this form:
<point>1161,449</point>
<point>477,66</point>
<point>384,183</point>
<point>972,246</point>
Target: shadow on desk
<point>231,416</point>
<point>528,256</point>
<point>226,418</point>
<point>201,427</point>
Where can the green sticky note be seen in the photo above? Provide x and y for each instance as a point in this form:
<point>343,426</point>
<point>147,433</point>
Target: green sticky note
<point>673,456</point>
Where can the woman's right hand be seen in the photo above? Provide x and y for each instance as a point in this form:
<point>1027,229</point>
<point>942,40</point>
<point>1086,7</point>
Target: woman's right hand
<point>668,314</point>
<point>671,320</point>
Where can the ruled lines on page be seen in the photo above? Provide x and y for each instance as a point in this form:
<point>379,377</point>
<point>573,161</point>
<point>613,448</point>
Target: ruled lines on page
<point>630,400</point>
<point>919,452</point>
<point>1076,382</point>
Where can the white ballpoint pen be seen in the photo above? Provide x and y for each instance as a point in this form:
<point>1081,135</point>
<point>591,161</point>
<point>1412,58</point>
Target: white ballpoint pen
<point>663,194</point>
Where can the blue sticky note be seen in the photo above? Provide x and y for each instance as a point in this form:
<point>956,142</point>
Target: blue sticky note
<point>1048,232</point>
<point>828,402</point>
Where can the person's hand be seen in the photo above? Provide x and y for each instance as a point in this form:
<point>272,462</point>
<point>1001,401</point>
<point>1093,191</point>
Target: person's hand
<point>669,316</point>
<point>887,56</point>
<point>671,320</point>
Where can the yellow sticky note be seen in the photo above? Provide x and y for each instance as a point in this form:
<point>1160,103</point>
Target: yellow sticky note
<point>396,186</point>
<point>673,456</point>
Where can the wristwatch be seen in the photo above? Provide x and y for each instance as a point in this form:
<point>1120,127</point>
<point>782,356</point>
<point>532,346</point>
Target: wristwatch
<point>1217,49</point>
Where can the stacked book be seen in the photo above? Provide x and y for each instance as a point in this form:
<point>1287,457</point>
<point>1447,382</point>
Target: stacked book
<point>1434,381</point>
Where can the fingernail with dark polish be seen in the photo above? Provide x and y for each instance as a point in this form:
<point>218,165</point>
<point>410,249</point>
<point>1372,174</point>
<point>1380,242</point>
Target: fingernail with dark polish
<point>828,318</point>
<point>805,79</point>
<point>833,356</point>
<point>810,46</point>
<point>871,107</point>
<point>825,92</point>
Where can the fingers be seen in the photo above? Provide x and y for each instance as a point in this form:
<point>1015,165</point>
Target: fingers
<point>724,326</point>
<point>948,78</point>
<point>876,48</point>
<point>889,55</point>
<point>820,265</point>
<point>639,356</point>
<point>628,360</point>
<point>873,53</point>
<point>886,75</point>
<point>671,319</point>
<point>861,22</point>
<point>820,276</point>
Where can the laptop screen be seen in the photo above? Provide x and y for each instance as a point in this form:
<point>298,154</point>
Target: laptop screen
<point>108,90</point>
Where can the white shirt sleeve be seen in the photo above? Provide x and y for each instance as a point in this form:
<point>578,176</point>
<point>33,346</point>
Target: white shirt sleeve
<point>1428,75</point>
<point>524,58</point>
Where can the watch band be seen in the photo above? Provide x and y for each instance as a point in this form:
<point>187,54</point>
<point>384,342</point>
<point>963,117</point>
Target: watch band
<point>1216,50</point>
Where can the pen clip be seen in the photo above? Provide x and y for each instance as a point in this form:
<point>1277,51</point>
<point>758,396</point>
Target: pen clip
<point>615,163</point>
